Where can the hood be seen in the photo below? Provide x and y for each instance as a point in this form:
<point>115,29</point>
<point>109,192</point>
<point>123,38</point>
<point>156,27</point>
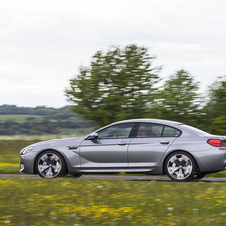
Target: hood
<point>59,141</point>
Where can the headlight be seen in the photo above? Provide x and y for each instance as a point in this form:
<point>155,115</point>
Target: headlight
<point>26,150</point>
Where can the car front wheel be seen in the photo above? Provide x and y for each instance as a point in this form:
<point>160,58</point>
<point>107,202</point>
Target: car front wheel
<point>50,164</point>
<point>180,166</point>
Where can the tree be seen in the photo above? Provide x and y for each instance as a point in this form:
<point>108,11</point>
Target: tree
<point>216,105</point>
<point>116,86</point>
<point>215,108</point>
<point>218,125</point>
<point>178,99</point>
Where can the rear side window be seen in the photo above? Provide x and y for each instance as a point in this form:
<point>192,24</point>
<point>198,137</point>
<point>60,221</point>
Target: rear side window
<point>156,130</point>
<point>149,130</point>
<point>170,132</point>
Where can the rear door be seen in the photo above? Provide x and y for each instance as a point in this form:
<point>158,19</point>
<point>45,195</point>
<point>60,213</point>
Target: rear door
<point>151,142</point>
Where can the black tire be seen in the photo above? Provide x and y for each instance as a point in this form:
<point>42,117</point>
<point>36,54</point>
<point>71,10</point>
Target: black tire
<point>76,175</point>
<point>180,166</point>
<point>199,176</point>
<point>50,164</point>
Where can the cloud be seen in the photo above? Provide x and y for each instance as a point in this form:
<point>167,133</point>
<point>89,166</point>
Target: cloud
<point>43,43</point>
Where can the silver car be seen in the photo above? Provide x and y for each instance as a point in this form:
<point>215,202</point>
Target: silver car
<point>147,146</point>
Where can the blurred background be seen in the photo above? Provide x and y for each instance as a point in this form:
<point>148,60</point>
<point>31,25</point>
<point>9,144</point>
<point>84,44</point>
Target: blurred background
<point>155,59</point>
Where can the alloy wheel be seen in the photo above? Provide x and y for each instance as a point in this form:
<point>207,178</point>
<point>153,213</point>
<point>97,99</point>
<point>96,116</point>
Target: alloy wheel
<point>49,165</point>
<point>180,167</point>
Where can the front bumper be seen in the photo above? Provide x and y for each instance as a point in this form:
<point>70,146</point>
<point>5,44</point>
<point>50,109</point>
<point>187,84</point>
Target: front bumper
<point>21,167</point>
<point>27,163</point>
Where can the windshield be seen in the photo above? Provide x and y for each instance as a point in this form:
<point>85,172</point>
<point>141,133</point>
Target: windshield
<point>195,130</point>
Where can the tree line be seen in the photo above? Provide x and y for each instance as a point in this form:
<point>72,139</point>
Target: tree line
<point>64,112</point>
<point>41,121</point>
<point>42,127</point>
<point>123,84</point>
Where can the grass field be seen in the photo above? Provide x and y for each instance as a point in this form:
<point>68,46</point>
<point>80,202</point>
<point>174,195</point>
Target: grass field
<point>18,117</point>
<point>82,202</point>
<point>10,154</point>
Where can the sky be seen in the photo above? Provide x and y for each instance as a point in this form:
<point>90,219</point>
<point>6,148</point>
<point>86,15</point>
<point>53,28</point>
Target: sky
<point>44,42</point>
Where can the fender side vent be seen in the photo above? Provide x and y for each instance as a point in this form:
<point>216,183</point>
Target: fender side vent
<point>72,147</point>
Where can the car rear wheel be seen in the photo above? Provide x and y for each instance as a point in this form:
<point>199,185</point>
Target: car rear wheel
<point>180,166</point>
<point>199,176</point>
<point>76,175</point>
<point>50,164</point>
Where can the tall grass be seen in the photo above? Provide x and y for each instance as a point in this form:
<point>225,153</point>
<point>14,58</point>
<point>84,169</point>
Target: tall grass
<point>93,202</point>
<point>10,154</point>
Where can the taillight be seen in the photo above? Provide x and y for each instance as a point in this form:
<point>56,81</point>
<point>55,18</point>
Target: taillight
<point>217,143</point>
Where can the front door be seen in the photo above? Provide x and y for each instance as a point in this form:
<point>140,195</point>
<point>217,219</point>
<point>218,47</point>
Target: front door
<point>109,150</point>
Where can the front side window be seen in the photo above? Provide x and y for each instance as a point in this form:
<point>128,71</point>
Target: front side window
<point>116,131</point>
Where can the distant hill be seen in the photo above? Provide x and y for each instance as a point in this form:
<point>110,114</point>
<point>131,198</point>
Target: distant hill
<point>40,120</point>
<point>40,110</point>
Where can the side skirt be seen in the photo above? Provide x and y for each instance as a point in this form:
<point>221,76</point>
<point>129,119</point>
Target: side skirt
<point>154,171</point>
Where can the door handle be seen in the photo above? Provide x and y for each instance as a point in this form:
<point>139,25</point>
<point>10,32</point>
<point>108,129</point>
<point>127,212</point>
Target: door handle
<point>122,143</point>
<point>164,142</point>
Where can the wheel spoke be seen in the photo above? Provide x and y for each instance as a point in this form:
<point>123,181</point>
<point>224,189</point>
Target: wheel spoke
<point>49,172</point>
<point>44,158</point>
<point>187,170</point>
<point>180,174</point>
<point>173,159</point>
<point>55,158</point>
<point>173,169</point>
<point>57,167</point>
<point>43,168</point>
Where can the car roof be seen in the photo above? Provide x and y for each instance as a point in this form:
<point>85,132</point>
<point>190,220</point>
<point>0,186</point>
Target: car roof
<point>148,120</point>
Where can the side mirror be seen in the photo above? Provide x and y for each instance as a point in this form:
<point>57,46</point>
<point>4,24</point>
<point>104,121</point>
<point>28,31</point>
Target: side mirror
<point>93,136</point>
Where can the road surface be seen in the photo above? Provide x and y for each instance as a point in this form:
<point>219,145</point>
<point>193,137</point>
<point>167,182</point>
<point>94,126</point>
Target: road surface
<point>118,177</point>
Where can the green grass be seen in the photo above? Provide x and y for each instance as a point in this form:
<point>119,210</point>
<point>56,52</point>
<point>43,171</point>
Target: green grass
<point>18,117</point>
<point>10,154</point>
<point>96,202</point>
<point>218,174</point>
